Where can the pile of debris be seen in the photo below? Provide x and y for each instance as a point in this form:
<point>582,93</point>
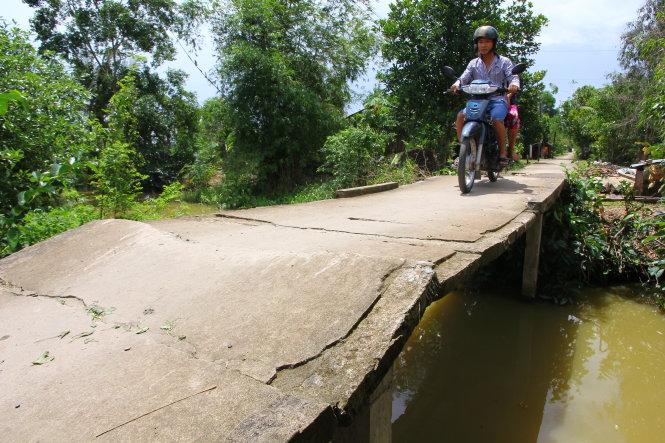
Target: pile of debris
<point>616,180</point>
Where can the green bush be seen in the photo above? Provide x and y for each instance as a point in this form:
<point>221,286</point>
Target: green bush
<point>158,207</point>
<point>117,181</point>
<point>45,223</point>
<point>581,246</point>
<point>351,154</point>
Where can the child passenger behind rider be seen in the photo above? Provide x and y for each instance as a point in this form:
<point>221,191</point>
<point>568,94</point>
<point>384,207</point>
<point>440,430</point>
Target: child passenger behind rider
<point>512,124</point>
<point>493,67</point>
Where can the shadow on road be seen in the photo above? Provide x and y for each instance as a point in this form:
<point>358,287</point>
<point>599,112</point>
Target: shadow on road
<point>502,186</point>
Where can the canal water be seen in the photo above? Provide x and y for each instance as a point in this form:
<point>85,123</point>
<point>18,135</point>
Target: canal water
<point>485,367</point>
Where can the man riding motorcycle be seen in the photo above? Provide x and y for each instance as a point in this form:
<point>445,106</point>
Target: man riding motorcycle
<point>493,67</point>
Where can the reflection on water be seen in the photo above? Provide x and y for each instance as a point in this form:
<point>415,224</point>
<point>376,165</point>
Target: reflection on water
<point>490,368</point>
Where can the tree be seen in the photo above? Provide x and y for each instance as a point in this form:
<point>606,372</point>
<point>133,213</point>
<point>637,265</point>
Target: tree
<point>533,108</point>
<point>167,118</point>
<point>578,117</point>
<point>423,36</point>
<point>116,178</point>
<point>100,37</point>
<point>40,140</point>
<point>643,57</point>
<point>286,68</point>
<point>618,119</point>
<point>50,128</point>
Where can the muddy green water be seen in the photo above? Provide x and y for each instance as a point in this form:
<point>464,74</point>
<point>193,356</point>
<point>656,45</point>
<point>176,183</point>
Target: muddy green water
<point>489,368</point>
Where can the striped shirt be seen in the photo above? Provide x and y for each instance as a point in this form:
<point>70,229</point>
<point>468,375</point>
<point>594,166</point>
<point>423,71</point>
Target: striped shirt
<point>499,73</point>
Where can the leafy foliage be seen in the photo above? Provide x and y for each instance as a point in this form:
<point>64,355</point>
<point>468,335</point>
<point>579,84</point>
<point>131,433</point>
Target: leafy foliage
<point>11,97</point>
<point>42,224</point>
<point>423,36</point>
<point>40,141</point>
<point>582,243</point>
<point>167,124</point>
<point>99,38</point>
<point>533,108</point>
<point>596,119</point>
<point>116,178</point>
<point>350,154</point>
<point>617,119</point>
<point>285,67</point>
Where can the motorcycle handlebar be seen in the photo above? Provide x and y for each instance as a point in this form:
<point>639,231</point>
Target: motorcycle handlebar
<point>500,90</point>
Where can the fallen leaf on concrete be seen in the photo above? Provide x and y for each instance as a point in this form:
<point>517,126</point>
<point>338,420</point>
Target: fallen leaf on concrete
<point>142,330</point>
<point>98,312</point>
<point>81,335</point>
<point>61,335</point>
<point>44,358</point>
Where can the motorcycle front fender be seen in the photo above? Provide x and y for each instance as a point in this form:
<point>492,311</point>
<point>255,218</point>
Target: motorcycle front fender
<point>474,130</point>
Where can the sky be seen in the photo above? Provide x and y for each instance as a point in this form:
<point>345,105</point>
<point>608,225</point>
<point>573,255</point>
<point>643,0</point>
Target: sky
<point>579,46</point>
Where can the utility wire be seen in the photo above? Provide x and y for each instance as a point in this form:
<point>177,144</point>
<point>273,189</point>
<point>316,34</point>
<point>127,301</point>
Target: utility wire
<point>196,65</point>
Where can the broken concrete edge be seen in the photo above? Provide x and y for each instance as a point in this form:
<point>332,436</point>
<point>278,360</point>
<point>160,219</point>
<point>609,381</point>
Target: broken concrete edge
<point>543,204</point>
<point>444,278</point>
<point>269,423</point>
<point>441,279</point>
<point>362,190</point>
<point>448,275</point>
<point>346,375</point>
<point>331,345</point>
<point>347,409</point>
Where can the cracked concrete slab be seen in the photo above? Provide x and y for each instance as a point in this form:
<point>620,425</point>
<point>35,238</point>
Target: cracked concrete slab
<point>122,386</point>
<point>268,324</point>
<point>219,300</point>
<point>430,214</point>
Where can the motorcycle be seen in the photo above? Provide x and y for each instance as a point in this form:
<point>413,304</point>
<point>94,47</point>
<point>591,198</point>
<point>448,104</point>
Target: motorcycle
<point>479,150</point>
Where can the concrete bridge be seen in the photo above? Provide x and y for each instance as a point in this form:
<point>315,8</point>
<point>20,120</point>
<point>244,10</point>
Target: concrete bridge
<point>267,324</point>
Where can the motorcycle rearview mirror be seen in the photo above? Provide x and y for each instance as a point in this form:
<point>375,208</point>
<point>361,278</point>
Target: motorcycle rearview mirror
<point>450,72</point>
<point>518,68</point>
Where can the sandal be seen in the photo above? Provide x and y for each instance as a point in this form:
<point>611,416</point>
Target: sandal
<point>503,161</point>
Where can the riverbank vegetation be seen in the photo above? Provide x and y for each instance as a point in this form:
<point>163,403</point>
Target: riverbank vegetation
<point>588,241</point>
<point>91,128</point>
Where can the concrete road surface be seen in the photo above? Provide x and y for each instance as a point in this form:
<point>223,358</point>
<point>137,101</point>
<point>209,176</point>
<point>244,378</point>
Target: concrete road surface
<point>267,324</point>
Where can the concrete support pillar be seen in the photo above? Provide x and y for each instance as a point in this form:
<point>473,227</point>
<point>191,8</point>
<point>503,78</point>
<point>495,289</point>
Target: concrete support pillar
<point>531,257</point>
<point>381,411</point>
<point>373,423</point>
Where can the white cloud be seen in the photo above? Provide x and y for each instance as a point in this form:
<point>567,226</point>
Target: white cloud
<point>585,23</point>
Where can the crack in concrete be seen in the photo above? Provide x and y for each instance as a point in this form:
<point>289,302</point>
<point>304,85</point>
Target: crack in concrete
<point>370,348</point>
<point>18,291</point>
<point>378,221</point>
<point>384,285</point>
<point>339,231</point>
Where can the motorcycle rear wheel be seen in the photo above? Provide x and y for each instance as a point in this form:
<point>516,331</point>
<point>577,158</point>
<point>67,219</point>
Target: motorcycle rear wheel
<point>493,176</point>
<point>466,168</point>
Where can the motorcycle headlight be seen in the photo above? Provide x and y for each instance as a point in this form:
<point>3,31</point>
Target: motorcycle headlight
<point>480,88</point>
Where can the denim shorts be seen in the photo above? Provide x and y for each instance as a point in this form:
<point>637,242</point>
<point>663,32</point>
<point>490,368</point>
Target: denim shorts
<point>498,109</point>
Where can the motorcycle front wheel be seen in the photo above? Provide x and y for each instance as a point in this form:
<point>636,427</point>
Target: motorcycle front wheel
<point>466,168</point>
